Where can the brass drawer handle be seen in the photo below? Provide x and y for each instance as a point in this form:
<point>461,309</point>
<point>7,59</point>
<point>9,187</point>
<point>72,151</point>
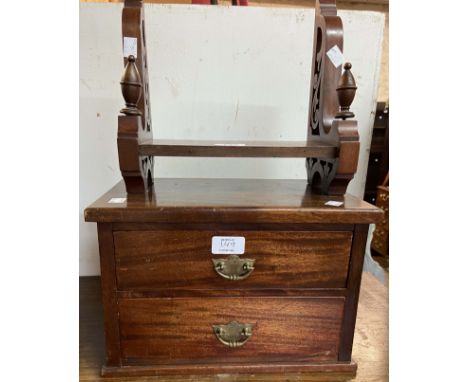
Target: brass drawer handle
<point>234,268</point>
<point>233,334</point>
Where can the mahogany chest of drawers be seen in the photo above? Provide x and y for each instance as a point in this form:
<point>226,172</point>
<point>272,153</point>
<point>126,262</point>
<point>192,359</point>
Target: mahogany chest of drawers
<point>282,298</point>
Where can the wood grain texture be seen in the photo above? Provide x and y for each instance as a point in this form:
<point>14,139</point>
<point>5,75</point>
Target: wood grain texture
<point>329,176</point>
<point>230,201</point>
<point>252,149</point>
<point>270,292</point>
<point>230,227</point>
<point>353,287</point>
<point>293,330</point>
<point>132,129</point>
<point>109,297</point>
<point>370,343</point>
<point>329,167</point>
<point>179,331</point>
<point>133,168</point>
<point>182,259</point>
<point>330,371</point>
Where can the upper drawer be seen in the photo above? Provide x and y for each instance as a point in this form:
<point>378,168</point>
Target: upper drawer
<point>183,259</point>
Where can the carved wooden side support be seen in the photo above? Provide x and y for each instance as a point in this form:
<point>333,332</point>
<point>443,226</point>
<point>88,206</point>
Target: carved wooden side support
<point>324,175</point>
<point>325,76</point>
<point>135,124</point>
<point>136,170</point>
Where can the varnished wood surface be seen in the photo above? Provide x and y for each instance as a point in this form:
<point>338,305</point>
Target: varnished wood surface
<point>370,343</point>
<point>109,298</point>
<point>354,283</point>
<point>183,259</point>
<point>326,371</point>
<point>330,167</point>
<point>179,331</point>
<point>259,292</point>
<point>230,201</point>
<point>136,170</point>
<point>268,149</point>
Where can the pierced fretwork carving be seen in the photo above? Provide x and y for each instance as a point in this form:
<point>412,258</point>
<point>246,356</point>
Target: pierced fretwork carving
<point>317,73</point>
<point>320,173</point>
<point>330,176</point>
<point>137,170</point>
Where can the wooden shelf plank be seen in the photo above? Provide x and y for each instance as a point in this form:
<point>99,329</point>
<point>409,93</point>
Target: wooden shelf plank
<point>249,149</point>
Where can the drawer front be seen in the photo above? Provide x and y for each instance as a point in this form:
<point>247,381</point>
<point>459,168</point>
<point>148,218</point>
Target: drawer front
<point>183,259</point>
<point>180,330</point>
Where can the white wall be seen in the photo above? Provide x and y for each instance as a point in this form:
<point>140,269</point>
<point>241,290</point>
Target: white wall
<point>215,73</point>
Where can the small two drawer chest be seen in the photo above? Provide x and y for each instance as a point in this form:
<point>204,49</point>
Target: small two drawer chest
<point>230,276</point>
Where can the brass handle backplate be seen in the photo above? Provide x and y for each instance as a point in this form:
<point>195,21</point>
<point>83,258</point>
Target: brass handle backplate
<point>234,268</point>
<point>233,334</point>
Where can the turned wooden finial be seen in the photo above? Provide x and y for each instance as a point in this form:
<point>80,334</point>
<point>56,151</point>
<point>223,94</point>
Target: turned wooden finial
<point>346,91</point>
<point>130,84</point>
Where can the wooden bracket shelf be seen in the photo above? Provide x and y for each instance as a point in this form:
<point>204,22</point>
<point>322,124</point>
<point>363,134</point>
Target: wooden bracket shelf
<point>252,149</point>
<point>330,148</point>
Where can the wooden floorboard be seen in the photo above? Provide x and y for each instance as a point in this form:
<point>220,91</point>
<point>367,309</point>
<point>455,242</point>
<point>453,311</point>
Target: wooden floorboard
<point>370,344</point>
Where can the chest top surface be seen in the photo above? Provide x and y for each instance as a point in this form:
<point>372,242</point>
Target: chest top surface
<point>229,200</point>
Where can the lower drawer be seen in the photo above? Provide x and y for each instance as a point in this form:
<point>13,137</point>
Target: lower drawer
<point>181,330</point>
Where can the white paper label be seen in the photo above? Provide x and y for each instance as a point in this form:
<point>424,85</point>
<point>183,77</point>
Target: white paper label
<point>229,144</point>
<point>335,56</point>
<point>227,245</point>
<point>130,46</point>
<point>333,203</point>
<point>117,200</point>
